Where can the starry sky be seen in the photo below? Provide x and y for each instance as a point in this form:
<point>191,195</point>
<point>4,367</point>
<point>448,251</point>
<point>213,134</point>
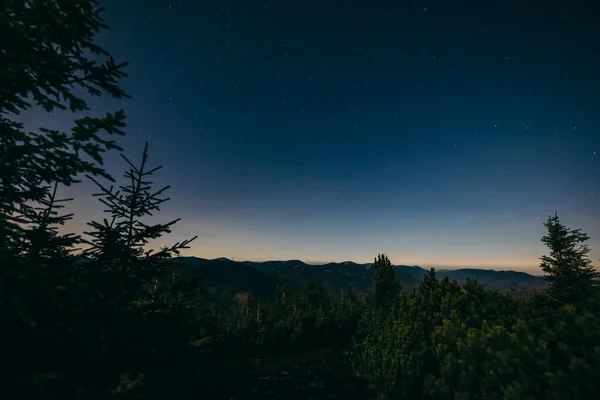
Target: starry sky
<point>440,133</point>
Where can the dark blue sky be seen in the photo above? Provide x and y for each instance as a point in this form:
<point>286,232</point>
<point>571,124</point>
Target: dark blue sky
<point>441,135</point>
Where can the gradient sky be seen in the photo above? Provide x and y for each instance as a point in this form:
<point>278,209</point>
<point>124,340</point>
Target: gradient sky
<point>334,130</point>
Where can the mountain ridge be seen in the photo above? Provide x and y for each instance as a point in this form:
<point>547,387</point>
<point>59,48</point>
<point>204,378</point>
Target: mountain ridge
<point>226,279</point>
<point>350,262</point>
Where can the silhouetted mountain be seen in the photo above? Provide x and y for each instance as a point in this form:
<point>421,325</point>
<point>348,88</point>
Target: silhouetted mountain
<point>409,276</point>
<point>332,276</point>
<point>201,261</point>
<point>271,266</point>
<point>356,277</point>
<point>225,278</point>
<point>501,280</point>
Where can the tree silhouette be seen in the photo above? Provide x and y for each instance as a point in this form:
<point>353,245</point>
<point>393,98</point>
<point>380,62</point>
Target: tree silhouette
<point>386,287</point>
<point>46,49</point>
<point>571,276</point>
<point>117,245</point>
<point>48,59</point>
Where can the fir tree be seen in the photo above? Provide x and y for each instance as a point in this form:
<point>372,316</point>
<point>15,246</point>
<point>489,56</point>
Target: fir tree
<point>48,59</point>
<point>149,316</point>
<point>117,245</point>
<point>386,287</point>
<point>43,245</point>
<point>571,276</point>
<point>48,53</point>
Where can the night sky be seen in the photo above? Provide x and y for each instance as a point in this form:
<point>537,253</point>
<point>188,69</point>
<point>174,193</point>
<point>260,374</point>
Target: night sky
<point>442,135</point>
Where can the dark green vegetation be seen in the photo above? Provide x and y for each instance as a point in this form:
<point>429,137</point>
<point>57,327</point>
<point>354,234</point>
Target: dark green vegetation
<point>116,321</point>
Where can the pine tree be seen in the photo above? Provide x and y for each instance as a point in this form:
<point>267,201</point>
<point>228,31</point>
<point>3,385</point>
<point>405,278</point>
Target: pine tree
<point>387,288</point>
<point>45,47</point>
<point>48,59</point>
<point>149,316</point>
<point>117,245</point>
<point>571,276</point>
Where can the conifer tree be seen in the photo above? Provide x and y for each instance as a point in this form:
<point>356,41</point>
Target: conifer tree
<point>149,315</point>
<point>117,245</point>
<point>48,60</point>
<point>571,276</point>
<point>43,244</point>
<point>387,288</point>
<point>47,50</point>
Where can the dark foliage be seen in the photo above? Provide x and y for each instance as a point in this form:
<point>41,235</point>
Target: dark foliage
<point>387,289</point>
<point>570,272</point>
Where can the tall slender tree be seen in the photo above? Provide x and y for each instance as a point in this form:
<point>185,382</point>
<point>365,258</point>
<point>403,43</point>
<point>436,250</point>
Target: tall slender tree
<point>571,276</point>
<point>117,244</point>
<point>387,288</point>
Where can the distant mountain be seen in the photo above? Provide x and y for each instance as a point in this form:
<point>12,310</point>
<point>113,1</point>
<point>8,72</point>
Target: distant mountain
<point>332,276</point>
<point>201,261</point>
<point>501,280</point>
<point>409,276</point>
<point>356,277</point>
<point>271,266</point>
<point>226,278</point>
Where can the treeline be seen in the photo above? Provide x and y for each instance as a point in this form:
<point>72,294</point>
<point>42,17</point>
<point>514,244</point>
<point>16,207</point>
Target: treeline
<point>100,317</point>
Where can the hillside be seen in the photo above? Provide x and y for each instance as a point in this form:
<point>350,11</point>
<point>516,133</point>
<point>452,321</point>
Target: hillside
<point>225,278</point>
<point>501,280</point>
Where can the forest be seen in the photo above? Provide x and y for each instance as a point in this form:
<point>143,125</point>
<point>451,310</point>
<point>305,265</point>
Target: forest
<point>101,316</point>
